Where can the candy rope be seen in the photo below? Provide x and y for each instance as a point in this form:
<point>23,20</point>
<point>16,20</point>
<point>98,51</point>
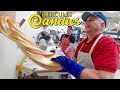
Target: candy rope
<point>11,29</point>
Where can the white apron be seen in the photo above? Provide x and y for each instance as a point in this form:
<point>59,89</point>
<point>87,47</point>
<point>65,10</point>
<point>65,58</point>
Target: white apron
<point>85,59</point>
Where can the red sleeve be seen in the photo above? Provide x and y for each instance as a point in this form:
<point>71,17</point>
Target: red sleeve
<point>77,49</point>
<point>107,57</point>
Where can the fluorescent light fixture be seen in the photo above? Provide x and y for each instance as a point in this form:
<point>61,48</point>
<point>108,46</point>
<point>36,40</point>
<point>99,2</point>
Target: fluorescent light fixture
<point>112,11</point>
<point>63,11</point>
<point>77,14</point>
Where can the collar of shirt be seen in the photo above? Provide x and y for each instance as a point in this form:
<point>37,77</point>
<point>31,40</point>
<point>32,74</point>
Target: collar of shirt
<point>92,41</point>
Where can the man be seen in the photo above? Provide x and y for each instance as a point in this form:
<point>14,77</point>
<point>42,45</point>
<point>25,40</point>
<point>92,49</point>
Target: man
<point>97,56</point>
<point>66,42</point>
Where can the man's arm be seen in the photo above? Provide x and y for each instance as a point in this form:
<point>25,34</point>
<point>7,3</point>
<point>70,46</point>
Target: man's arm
<point>96,74</point>
<point>80,71</point>
<point>58,44</point>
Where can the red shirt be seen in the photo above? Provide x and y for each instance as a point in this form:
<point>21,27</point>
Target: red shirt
<point>105,54</point>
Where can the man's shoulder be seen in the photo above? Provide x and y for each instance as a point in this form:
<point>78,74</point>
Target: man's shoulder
<point>107,40</point>
<point>71,35</point>
<point>62,35</point>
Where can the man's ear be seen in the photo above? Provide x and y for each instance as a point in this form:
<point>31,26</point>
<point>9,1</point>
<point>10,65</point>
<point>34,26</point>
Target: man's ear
<point>102,25</point>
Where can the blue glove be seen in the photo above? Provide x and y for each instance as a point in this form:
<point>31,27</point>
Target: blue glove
<point>69,65</point>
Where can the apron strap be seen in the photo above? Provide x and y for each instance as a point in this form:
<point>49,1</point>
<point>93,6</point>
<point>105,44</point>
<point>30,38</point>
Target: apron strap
<point>81,46</point>
<point>100,36</point>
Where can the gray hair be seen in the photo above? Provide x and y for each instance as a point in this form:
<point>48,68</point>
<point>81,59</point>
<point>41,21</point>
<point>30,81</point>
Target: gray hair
<point>101,21</point>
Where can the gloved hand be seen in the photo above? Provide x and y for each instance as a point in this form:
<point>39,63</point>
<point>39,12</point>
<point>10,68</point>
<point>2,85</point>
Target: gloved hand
<point>69,65</point>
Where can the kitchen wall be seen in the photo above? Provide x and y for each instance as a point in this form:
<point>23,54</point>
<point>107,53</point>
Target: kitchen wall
<point>8,56</point>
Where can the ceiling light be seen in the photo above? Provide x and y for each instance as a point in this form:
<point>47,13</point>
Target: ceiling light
<point>77,14</point>
<point>112,11</point>
<point>63,11</point>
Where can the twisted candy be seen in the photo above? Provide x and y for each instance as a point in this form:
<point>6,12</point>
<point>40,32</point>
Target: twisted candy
<point>11,29</point>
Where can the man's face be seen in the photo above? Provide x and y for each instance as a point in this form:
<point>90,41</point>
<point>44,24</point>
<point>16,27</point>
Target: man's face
<point>92,25</point>
<point>69,30</point>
